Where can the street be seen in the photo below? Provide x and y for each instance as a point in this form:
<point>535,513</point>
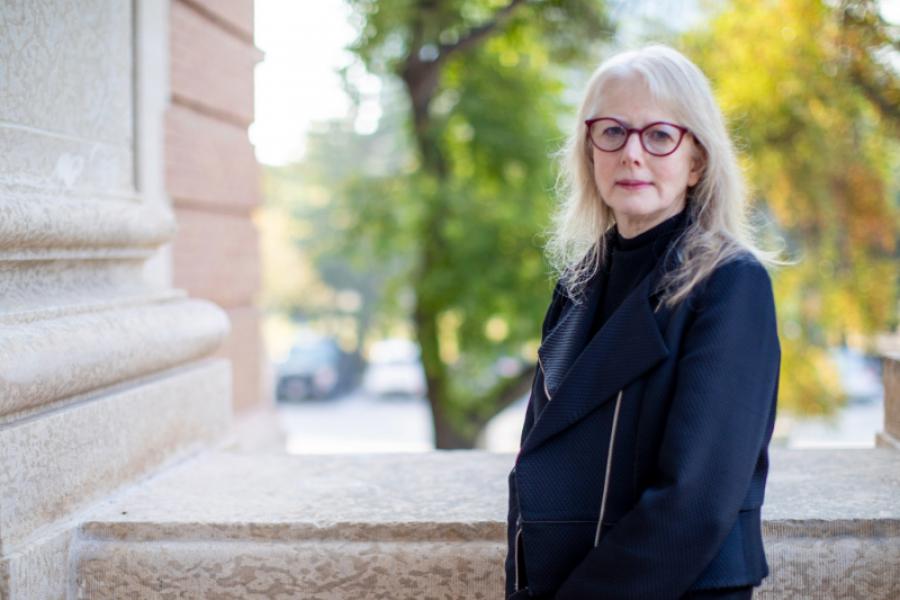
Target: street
<point>362,424</point>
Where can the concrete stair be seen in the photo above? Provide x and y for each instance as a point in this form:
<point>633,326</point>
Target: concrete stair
<point>270,526</point>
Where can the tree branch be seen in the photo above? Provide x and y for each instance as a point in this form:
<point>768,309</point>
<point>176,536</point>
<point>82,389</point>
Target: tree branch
<point>476,34</point>
<point>879,96</point>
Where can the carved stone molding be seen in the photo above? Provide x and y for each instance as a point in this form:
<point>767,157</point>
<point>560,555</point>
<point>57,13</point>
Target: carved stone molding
<point>55,359</point>
<point>40,226</point>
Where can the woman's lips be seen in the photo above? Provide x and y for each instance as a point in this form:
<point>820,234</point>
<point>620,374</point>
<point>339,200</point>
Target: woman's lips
<point>632,184</point>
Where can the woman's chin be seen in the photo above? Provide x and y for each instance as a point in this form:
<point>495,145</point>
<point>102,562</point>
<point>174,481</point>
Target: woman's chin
<point>635,207</point>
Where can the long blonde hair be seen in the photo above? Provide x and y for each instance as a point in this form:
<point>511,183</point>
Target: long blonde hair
<point>719,221</point>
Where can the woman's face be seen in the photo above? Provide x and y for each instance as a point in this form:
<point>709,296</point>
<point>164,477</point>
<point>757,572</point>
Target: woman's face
<point>641,189</point>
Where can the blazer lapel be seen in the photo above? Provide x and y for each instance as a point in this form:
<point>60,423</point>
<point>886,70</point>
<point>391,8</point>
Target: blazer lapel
<point>578,381</point>
<point>565,342</point>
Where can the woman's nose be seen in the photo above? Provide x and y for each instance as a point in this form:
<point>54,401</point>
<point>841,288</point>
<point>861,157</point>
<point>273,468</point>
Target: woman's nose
<point>632,151</point>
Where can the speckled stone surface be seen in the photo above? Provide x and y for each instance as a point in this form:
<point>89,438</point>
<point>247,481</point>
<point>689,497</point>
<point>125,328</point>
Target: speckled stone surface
<point>833,485</point>
<point>50,289</point>
<point>40,571</point>
<point>320,570</point>
<point>100,373</point>
<point>228,495</point>
<point>53,359</point>
<point>852,567</point>
<point>831,524</point>
<point>67,109</point>
<point>86,44</point>
<point>232,525</point>
<point>60,462</point>
<point>41,224</point>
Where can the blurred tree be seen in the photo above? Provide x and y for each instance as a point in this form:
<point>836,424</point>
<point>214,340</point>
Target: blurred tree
<point>482,82</point>
<point>329,282</point>
<point>813,92</point>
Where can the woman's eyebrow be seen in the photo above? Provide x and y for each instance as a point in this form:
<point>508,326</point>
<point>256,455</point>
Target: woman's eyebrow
<point>629,124</point>
<point>622,120</point>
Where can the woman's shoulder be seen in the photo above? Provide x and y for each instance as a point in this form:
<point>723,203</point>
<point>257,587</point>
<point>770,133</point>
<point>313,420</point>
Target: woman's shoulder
<point>741,277</point>
<point>741,264</point>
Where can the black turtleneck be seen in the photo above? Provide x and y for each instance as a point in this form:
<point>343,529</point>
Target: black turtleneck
<point>630,260</point>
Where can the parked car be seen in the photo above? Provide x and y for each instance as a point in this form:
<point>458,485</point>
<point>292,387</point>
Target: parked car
<point>312,369</point>
<point>394,369</point>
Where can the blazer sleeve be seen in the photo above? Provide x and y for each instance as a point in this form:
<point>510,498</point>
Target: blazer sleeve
<point>716,427</point>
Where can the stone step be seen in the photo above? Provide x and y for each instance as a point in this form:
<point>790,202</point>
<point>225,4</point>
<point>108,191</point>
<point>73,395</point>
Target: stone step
<point>432,525</point>
<point>55,466</point>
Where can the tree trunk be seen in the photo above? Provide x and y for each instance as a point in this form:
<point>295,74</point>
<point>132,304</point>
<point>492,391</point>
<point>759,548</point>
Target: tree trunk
<point>421,79</point>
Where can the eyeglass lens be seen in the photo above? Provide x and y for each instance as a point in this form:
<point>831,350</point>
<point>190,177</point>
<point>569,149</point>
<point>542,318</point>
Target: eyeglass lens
<point>659,138</point>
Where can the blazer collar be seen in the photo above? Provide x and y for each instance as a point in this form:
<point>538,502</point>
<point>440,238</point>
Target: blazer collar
<point>581,374</point>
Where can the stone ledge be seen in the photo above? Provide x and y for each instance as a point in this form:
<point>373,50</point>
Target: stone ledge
<point>832,485</point>
<point>90,449</point>
<point>312,570</point>
<point>45,361</point>
<point>432,525</point>
<point>360,497</point>
<point>39,571</point>
<point>46,224</point>
<point>886,440</point>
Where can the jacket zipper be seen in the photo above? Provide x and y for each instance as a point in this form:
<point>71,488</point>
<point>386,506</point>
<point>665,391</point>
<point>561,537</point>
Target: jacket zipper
<point>609,455</point>
<point>543,378</point>
<point>518,582</point>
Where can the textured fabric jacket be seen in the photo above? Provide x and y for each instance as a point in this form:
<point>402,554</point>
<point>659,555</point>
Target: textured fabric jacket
<point>661,422</point>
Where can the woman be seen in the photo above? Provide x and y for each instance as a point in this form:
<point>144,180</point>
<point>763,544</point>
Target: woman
<point>644,451</point>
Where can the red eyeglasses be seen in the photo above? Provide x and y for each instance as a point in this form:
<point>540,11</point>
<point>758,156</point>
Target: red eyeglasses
<point>658,138</point>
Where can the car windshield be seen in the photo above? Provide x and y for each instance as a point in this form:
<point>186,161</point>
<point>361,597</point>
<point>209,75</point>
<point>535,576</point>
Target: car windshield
<point>313,354</point>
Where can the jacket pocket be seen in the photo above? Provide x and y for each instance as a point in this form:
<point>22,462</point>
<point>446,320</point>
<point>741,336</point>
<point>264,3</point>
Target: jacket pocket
<point>741,559</point>
<point>552,549</point>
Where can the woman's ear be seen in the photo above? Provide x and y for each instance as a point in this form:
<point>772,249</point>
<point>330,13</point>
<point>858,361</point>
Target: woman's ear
<point>698,165</point>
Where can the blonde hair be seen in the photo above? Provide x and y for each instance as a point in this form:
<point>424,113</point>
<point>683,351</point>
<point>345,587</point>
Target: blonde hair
<point>719,227</point>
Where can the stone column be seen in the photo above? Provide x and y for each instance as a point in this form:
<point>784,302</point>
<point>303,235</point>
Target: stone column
<point>104,368</point>
<point>890,436</point>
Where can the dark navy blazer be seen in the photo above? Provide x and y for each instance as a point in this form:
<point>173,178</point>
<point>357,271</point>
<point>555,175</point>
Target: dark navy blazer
<point>683,402</point>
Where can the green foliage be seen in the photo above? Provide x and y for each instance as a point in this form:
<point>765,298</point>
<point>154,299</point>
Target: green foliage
<point>483,84</point>
<point>812,95</point>
<point>440,214</point>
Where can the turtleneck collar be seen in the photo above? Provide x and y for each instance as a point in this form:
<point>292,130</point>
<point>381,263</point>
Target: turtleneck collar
<point>659,231</point>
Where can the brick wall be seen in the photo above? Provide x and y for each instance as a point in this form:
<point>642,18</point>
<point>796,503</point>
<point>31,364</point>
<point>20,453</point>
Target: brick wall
<point>212,175</point>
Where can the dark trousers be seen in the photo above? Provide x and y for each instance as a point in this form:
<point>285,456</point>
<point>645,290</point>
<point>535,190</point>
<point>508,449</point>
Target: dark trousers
<point>733,593</point>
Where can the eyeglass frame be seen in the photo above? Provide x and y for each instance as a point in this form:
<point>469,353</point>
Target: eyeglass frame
<point>640,132</point>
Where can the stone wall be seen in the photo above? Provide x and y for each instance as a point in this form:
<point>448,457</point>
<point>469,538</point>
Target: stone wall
<point>433,525</point>
<point>105,369</point>
<point>889,437</point>
<point>212,176</point>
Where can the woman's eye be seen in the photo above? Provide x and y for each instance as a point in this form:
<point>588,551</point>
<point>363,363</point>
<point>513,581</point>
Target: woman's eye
<point>660,135</point>
<point>613,132</point>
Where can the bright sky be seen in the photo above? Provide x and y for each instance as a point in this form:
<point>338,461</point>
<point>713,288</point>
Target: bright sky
<point>297,82</point>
